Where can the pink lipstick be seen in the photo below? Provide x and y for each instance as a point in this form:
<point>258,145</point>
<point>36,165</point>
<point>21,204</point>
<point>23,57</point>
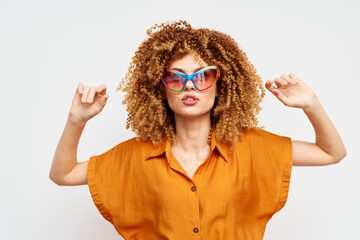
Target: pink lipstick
<point>189,99</point>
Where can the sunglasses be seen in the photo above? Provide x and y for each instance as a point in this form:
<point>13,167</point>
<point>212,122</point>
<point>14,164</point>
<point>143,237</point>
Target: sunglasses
<point>202,79</point>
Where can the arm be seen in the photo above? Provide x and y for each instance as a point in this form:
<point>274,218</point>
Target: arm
<point>65,170</point>
<point>328,148</point>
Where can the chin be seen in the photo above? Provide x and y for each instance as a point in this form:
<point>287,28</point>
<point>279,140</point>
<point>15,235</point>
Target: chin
<point>192,114</point>
<point>200,110</point>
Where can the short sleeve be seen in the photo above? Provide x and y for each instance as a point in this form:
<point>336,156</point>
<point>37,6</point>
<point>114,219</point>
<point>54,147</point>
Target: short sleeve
<point>102,179</point>
<point>95,188</point>
<point>286,165</point>
<point>272,159</point>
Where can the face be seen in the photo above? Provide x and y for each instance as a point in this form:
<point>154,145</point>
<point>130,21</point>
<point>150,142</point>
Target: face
<point>190,103</point>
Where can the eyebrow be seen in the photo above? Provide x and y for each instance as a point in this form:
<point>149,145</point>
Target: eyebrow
<point>181,70</point>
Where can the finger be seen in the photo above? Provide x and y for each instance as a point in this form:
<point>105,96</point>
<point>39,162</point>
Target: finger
<point>288,79</point>
<point>91,95</point>
<point>294,77</point>
<point>101,89</point>
<point>280,82</point>
<point>80,88</point>
<point>85,94</point>
<point>280,96</point>
<point>269,85</point>
<point>106,98</point>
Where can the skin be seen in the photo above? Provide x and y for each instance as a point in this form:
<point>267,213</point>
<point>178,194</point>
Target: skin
<point>192,122</point>
<point>87,102</point>
<point>328,148</point>
<point>193,125</point>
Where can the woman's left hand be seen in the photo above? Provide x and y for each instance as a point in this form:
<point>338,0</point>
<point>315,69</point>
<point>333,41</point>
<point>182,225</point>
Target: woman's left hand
<point>292,91</point>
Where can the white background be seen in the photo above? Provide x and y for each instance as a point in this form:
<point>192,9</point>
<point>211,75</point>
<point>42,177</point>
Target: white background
<point>48,47</point>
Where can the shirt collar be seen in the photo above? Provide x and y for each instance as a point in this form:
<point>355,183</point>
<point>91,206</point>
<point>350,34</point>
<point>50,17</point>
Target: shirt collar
<point>164,147</point>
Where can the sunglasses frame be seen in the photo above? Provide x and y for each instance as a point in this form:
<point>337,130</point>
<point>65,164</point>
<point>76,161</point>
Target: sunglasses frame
<point>191,77</point>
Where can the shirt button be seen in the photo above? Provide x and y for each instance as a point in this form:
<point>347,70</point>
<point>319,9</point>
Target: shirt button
<point>196,230</point>
<point>193,188</point>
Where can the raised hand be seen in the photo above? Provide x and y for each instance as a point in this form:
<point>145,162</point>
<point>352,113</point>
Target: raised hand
<point>87,103</point>
<point>292,91</point>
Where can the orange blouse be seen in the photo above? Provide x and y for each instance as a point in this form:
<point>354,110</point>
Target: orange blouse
<point>146,194</point>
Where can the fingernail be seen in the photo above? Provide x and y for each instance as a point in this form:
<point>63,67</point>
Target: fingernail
<point>89,100</point>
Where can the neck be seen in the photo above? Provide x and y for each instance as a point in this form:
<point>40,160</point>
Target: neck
<point>192,135</point>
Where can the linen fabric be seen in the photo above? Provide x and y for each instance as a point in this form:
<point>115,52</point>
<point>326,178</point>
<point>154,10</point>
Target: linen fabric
<point>146,194</point>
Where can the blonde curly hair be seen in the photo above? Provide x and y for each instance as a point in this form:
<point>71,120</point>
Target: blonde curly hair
<point>240,89</point>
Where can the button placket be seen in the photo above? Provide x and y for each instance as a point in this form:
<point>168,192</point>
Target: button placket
<point>195,210</point>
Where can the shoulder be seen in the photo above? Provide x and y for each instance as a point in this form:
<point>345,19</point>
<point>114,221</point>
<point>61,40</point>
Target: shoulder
<point>260,135</point>
<point>128,147</point>
<point>261,141</point>
<point>258,132</point>
<point>133,143</point>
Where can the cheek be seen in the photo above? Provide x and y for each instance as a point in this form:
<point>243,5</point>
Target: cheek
<point>211,96</point>
<point>208,101</point>
<point>211,103</point>
<point>170,99</point>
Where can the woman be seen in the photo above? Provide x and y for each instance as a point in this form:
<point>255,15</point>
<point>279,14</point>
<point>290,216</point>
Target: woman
<point>198,167</point>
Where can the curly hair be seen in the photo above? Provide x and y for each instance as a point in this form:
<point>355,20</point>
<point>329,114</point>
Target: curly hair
<point>240,89</point>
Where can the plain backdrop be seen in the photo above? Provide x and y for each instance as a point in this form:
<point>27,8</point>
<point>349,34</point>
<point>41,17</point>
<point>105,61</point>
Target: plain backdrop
<point>48,47</point>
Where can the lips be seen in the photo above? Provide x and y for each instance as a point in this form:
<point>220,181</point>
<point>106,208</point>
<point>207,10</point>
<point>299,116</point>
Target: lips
<point>189,99</point>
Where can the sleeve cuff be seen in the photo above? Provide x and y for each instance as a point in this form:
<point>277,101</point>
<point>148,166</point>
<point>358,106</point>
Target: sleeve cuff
<point>94,188</point>
<point>286,172</point>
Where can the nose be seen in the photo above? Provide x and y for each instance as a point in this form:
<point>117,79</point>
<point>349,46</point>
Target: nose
<point>189,86</point>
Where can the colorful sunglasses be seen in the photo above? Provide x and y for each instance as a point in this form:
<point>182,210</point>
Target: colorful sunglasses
<point>202,79</point>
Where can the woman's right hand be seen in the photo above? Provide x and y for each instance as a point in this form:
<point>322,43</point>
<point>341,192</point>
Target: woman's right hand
<point>87,103</point>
